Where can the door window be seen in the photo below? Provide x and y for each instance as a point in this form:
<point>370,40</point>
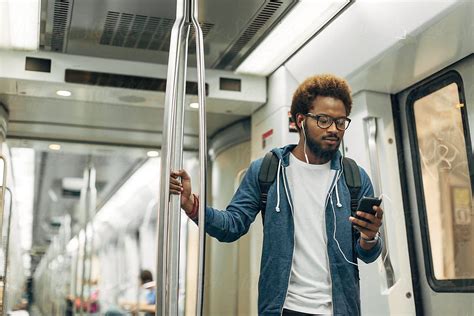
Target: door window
<point>443,172</point>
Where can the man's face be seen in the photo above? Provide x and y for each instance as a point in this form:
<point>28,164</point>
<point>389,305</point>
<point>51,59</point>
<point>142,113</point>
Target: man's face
<point>324,142</point>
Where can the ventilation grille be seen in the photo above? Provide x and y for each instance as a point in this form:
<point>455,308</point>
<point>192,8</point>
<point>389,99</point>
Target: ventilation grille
<point>140,31</point>
<point>124,81</point>
<point>265,17</point>
<point>136,31</point>
<point>60,24</point>
<point>206,28</point>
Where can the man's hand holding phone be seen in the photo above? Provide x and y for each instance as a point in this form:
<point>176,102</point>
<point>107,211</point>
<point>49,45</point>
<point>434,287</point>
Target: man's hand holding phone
<point>368,219</point>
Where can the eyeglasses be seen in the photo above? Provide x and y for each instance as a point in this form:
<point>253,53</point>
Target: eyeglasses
<point>325,121</point>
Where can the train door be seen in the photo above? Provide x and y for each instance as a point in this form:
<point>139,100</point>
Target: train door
<point>436,122</point>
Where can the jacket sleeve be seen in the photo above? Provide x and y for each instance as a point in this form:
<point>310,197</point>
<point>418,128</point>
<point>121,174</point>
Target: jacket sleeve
<point>371,255</point>
<point>234,222</point>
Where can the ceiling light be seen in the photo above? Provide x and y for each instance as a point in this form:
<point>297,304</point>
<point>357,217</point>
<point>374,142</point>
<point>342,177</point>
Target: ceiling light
<point>19,24</point>
<point>72,183</point>
<point>152,153</point>
<point>194,105</point>
<point>54,146</point>
<point>64,93</point>
<point>303,21</point>
<point>52,195</point>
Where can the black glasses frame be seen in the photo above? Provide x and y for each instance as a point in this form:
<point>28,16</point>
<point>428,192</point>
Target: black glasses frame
<point>338,121</point>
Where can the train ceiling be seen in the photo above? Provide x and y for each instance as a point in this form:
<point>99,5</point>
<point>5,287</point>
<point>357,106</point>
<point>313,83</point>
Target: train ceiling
<point>140,30</point>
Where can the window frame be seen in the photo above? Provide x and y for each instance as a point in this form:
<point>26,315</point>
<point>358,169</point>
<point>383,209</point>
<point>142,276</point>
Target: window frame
<point>452,76</point>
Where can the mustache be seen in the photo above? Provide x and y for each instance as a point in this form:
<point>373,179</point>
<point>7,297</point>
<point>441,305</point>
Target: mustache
<point>331,137</point>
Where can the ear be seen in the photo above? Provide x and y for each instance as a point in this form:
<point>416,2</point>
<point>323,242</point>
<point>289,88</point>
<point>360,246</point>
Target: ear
<point>299,120</point>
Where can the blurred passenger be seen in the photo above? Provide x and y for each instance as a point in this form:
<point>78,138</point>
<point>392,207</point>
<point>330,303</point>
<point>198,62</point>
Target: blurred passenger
<point>148,306</point>
<point>307,268</point>
<point>148,284</point>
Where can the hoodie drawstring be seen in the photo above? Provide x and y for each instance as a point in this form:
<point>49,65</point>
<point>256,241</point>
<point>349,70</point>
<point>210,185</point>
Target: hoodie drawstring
<point>338,201</point>
<point>277,207</point>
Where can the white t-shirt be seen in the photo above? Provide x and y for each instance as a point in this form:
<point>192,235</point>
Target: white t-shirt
<point>309,290</point>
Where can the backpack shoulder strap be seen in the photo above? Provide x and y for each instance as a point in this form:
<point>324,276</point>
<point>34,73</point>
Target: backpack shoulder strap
<point>352,176</point>
<point>266,177</point>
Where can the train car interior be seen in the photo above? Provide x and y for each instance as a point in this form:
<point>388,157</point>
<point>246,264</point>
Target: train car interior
<point>100,100</point>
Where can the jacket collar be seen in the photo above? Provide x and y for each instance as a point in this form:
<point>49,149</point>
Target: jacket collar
<point>283,154</point>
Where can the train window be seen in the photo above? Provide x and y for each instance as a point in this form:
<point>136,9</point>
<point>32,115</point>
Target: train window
<point>442,152</point>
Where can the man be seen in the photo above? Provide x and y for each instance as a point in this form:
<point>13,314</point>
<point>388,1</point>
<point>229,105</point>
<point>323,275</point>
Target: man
<point>309,255</point>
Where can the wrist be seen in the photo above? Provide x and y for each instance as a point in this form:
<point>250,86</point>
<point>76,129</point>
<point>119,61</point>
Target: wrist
<point>370,240</point>
<point>188,205</point>
<point>193,211</point>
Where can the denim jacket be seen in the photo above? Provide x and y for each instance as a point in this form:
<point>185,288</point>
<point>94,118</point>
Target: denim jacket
<point>278,235</point>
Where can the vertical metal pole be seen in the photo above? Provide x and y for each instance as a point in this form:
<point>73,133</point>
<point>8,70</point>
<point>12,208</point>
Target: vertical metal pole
<point>91,205</point>
<point>88,196</point>
<point>171,158</point>
<point>75,276</point>
<point>2,192</point>
<point>2,204</point>
<point>7,246</point>
<point>371,128</point>
<point>202,151</point>
<point>83,208</point>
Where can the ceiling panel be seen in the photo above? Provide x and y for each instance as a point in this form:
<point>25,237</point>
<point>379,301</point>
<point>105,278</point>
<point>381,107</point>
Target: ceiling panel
<point>140,30</point>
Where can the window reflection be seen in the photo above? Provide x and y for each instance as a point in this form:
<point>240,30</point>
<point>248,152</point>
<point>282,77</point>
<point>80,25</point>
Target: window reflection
<point>446,183</point>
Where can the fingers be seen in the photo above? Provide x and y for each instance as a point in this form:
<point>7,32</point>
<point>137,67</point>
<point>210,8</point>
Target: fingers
<point>373,223</point>
<point>180,173</point>
<point>366,233</point>
<point>176,187</point>
<point>378,212</point>
<point>365,225</point>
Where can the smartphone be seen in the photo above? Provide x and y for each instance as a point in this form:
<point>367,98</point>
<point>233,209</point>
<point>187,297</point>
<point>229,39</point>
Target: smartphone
<point>366,204</point>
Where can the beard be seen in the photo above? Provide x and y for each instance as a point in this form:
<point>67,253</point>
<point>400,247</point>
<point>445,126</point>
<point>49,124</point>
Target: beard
<point>318,150</point>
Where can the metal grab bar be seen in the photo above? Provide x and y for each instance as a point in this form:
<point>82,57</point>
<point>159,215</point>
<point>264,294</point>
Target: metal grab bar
<point>371,128</point>
<point>2,194</point>
<point>91,206</point>
<point>202,150</point>
<point>171,158</point>
<point>88,202</point>
<point>7,246</point>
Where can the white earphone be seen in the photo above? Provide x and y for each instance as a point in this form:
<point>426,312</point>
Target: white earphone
<point>304,148</point>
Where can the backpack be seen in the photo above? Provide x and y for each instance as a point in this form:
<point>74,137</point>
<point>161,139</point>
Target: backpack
<point>268,171</point>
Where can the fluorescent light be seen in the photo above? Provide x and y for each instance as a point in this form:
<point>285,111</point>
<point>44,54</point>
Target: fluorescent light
<point>19,24</point>
<point>52,195</point>
<point>54,146</point>
<point>298,26</point>
<point>72,183</point>
<point>194,105</point>
<point>152,153</point>
<point>64,93</point>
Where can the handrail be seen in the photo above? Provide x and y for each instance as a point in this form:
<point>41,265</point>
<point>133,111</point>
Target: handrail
<point>7,246</point>
<point>171,158</point>
<point>88,203</point>
<point>371,127</point>
<point>202,150</point>
<point>2,194</point>
<point>91,206</point>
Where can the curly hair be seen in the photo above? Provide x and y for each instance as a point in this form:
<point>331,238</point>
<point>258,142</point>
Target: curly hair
<point>325,85</point>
